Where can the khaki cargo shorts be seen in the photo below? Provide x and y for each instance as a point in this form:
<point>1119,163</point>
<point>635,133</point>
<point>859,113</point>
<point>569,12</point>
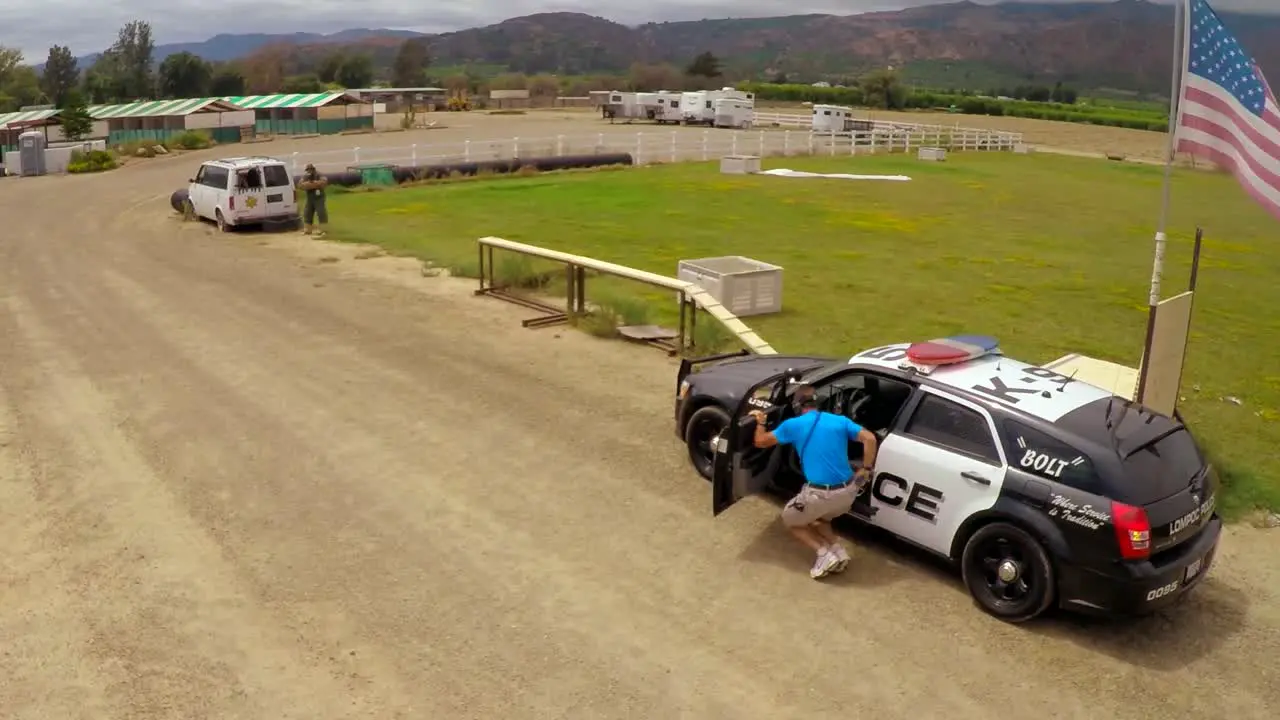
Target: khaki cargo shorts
<point>813,504</point>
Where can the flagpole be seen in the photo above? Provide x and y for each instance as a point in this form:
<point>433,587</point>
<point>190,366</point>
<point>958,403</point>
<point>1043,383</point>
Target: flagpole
<point>1180,13</point>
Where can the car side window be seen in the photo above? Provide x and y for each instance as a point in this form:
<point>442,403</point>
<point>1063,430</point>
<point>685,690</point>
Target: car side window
<point>1038,453</point>
<point>199,179</point>
<point>953,426</point>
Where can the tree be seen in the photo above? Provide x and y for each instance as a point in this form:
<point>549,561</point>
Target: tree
<point>330,66</point>
<point>184,75</point>
<point>61,73</point>
<point>356,72</point>
<point>21,87</point>
<point>883,90</point>
<point>647,78</point>
<point>134,50</point>
<point>704,65</point>
<point>264,70</point>
<point>409,67</point>
<point>102,81</point>
<point>227,81</point>
<point>298,84</point>
<point>76,122</point>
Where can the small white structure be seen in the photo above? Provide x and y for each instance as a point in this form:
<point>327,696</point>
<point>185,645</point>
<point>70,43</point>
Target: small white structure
<point>932,153</point>
<point>739,164</point>
<point>625,106</point>
<point>832,118</point>
<point>1023,149</point>
<point>56,158</point>
<point>744,286</point>
<point>699,108</point>
<point>733,113</point>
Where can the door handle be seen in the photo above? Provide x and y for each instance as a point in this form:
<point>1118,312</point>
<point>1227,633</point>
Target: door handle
<point>975,477</point>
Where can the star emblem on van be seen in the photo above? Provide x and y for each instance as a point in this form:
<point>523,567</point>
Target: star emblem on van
<point>251,202</point>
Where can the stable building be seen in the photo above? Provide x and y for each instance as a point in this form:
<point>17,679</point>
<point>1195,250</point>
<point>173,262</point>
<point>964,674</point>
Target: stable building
<point>325,113</point>
<point>397,100</point>
<point>160,120</point>
<point>15,123</point>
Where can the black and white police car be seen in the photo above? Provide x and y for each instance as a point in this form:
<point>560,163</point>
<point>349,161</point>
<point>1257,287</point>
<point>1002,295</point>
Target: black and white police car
<point>1043,489</point>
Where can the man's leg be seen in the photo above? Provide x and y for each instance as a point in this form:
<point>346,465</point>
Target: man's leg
<point>835,504</point>
<point>308,215</point>
<point>322,213</point>
<point>799,515</point>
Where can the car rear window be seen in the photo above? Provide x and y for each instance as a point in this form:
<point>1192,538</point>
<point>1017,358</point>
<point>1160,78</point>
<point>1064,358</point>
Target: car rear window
<point>1162,469</point>
<point>276,176</point>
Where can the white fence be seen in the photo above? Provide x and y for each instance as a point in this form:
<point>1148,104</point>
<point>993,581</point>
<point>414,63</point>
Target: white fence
<point>671,146</point>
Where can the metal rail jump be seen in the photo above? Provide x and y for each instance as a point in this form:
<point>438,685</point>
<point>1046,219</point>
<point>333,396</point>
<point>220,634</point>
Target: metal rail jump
<point>692,297</point>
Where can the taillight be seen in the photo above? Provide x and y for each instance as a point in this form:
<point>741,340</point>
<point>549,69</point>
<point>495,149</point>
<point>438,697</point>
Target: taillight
<point>1133,531</point>
<point>231,202</point>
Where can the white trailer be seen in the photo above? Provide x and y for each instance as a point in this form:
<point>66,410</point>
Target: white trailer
<point>701,110</point>
<point>669,107</point>
<point>691,107</point>
<point>832,118</point>
<point>733,113</point>
<point>623,106</point>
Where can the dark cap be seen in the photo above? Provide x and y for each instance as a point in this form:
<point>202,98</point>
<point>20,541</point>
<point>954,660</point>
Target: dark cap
<point>310,167</point>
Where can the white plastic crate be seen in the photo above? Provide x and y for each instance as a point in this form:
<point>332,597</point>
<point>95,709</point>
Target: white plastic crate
<point>932,153</point>
<point>739,164</point>
<point>744,286</point>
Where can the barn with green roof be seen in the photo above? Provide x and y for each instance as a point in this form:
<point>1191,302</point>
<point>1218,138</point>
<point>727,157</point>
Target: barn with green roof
<point>160,120</point>
<point>323,113</point>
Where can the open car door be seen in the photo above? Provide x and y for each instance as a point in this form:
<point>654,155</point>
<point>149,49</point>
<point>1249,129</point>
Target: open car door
<point>740,468</point>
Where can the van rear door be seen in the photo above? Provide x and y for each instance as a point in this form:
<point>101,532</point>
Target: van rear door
<point>280,196</point>
<point>1167,476</point>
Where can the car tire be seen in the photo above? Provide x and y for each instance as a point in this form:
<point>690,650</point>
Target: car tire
<point>1008,572</point>
<point>222,222</point>
<point>700,432</point>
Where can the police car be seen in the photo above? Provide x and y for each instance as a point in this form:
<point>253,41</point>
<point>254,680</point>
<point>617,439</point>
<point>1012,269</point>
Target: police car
<point>1044,490</point>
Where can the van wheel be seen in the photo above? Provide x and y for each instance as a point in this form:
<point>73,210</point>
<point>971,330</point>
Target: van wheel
<point>222,222</point>
<point>1008,572</point>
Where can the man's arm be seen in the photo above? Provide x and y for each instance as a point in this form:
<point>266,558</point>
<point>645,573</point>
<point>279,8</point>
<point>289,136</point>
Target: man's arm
<point>869,445</point>
<point>763,438</point>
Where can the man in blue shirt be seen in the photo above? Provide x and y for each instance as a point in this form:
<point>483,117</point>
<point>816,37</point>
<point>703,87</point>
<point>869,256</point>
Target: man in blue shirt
<point>822,442</point>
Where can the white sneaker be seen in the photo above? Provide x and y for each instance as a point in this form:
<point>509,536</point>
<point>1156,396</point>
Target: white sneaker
<point>823,565</point>
<point>842,557</point>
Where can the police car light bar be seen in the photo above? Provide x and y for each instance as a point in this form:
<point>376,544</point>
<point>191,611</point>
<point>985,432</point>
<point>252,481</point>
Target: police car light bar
<point>925,356</point>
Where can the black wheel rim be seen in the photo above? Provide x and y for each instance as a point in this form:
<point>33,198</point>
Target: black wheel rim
<point>702,439</point>
<point>1006,569</point>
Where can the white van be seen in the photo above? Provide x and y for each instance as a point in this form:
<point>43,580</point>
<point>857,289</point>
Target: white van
<point>235,192</point>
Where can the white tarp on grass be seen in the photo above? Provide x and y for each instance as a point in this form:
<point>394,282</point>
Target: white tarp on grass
<point>783,172</point>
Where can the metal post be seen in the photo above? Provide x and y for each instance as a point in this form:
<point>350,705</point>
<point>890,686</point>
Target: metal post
<point>786,143</point>
<point>761,153</point>
<point>413,154</point>
<point>515,148</point>
<point>1157,262</point>
<point>466,151</point>
<point>674,140</point>
<point>294,164</point>
<point>705,155</point>
<point>357,155</point>
<point>733,148</point>
<point>559,145</point>
<point>832,142</point>
<point>639,147</point>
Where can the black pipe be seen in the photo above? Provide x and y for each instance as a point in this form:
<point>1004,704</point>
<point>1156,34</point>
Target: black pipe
<point>406,173</point>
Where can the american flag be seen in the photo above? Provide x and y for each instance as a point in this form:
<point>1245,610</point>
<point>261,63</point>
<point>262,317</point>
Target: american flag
<point>1228,114</point>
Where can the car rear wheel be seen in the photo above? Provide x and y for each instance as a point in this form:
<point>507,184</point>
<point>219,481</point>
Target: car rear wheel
<point>222,222</point>
<point>1008,572</point>
<point>700,436</point>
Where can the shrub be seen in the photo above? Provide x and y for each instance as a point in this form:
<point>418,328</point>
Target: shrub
<point>91,162</point>
<point>191,140</point>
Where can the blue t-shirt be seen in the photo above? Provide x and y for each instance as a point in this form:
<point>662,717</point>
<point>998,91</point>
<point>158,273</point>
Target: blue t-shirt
<point>824,457</point>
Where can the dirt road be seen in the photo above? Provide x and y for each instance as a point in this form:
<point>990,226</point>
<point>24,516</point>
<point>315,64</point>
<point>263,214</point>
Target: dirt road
<point>238,482</point>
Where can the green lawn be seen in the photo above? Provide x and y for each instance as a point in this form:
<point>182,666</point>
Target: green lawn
<point>1051,254</point>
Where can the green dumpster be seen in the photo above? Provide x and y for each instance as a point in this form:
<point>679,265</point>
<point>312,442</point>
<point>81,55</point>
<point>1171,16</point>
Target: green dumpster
<point>375,173</point>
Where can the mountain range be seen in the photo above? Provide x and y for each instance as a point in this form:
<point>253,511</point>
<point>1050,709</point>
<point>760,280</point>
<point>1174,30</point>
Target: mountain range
<point>1124,45</point>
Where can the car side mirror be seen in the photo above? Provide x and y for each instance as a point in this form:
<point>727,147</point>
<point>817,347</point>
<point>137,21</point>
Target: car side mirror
<point>191,180</point>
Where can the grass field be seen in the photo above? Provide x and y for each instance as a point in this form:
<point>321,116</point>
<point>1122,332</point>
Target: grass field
<point>1050,253</point>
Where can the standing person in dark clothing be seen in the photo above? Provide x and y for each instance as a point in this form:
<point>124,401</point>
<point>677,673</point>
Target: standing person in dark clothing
<point>314,184</point>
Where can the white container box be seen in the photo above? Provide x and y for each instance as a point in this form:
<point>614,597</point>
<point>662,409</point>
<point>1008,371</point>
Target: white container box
<point>743,286</point>
<point>932,153</point>
<point>739,164</point>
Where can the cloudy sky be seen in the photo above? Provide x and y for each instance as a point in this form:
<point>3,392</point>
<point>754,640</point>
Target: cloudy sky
<point>89,25</point>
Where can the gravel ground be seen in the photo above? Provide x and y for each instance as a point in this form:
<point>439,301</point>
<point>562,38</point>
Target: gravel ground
<point>255,477</point>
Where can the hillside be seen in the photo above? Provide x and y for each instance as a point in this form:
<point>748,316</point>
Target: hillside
<point>1123,45</point>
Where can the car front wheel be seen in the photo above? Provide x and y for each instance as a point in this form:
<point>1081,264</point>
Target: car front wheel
<point>700,436</point>
<point>1008,572</point>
